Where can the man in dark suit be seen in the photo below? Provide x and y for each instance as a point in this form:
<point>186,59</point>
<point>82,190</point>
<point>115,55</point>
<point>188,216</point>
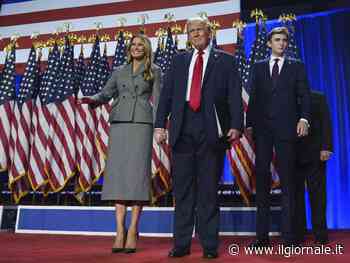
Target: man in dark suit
<point>314,151</point>
<point>202,95</point>
<point>272,119</point>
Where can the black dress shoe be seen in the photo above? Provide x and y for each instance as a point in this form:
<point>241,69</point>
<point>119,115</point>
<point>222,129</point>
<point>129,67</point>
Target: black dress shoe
<point>178,253</point>
<point>260,243</point>
<point>129,250</point>
<point>117,249</point>
<point>210,255</point>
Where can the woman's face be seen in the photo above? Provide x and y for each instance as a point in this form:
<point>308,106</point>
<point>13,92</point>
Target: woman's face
<point>137,49</point>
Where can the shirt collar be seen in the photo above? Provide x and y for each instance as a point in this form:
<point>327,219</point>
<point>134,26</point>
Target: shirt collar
<point>272,58</point>
<point>205,51</point>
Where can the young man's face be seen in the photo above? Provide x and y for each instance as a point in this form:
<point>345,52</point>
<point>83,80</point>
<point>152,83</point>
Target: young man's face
<point>278,44</point>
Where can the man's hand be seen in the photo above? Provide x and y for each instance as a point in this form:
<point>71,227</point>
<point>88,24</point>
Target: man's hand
<point>85,100</point>
<point>302,128</point>
<point>249,133</point>
<point>325,155</point>
<point>233,134</point>
<point>160,135</point>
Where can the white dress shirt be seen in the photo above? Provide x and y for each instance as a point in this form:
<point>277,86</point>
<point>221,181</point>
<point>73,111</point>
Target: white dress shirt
<point>190,70</point>
<point>280,63</point>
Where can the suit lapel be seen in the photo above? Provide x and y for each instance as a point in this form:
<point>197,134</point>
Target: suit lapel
<point>139,71</point>
<point>184,72</point>
<point>213,56</point>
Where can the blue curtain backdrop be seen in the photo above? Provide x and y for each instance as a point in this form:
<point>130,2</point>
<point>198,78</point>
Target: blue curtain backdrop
<point>324,45</point>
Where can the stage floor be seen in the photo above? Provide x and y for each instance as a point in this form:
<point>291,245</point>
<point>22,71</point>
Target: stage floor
<point>40,248</point>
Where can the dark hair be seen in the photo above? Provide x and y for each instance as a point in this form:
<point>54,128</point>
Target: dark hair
<point>278,30</point>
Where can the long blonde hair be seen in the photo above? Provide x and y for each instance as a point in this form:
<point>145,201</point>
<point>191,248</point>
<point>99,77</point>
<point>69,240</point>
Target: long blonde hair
<point>148,74</point>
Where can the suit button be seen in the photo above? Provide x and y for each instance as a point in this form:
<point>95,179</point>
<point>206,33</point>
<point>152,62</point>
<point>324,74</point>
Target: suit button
<point>133,96</point>
<point>136,86</point>
<point>123,97</point>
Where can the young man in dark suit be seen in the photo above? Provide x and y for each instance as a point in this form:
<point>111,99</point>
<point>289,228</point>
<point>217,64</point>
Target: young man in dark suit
<point>313,151</point>
<point>273,120</point>
<point>202,95</point>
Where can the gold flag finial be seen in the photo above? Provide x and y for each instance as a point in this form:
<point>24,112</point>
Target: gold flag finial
<point>98,26</point>
<point>34,35</point>
<point>121,21</point>
<point>142,20</point>
<point>239,24</point>
<point>105,38</point>
<point>67,26</point>
<point>256,14</point>
<point>169,17</point>
<point>203,15</point>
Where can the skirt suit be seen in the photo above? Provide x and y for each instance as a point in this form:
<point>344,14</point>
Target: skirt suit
<point>128,169</point>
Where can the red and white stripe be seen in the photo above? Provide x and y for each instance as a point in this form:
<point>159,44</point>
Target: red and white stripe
<point>20,142</point>
<point>23,17</point>
<point>60,150</point>
<point>103,131</point>
<point>89,159</point>
<point>6,117</point>
<point>38,141</point>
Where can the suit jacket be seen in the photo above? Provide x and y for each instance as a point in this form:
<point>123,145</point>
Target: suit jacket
<point>320,135</point>
<point>273,108</point>
<point>131,94</point>
<point>220,92</point>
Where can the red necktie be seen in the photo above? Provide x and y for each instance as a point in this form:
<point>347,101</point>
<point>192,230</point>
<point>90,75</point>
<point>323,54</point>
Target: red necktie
<point>195,93</point>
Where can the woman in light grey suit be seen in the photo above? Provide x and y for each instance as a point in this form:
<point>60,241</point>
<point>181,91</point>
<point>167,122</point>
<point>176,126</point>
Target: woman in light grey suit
<point>128,169</point>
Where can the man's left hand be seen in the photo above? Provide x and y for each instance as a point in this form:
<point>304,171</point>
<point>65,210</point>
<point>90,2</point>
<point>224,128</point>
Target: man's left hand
<point>233,134</point>
<point>325,155</point>
<point>302,128</point>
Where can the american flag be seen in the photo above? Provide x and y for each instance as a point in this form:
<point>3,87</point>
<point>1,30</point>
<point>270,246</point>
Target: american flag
<point>21,125</point>
<point>161,169</point>
<point>7,97</point>
<point>21,16</point>
<point>80,69</point>
<point>241,155</point>
<point>292,49</point>
<point>88,156</point>
<point>103,123</point>
<point>158,54</point>
<point>120,51</point>
<point>61,153</point>
<point>25,16</point>
<point>40,125</point>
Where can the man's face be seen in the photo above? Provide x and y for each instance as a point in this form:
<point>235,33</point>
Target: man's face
<point>278,44</point>
<point>198,34</point>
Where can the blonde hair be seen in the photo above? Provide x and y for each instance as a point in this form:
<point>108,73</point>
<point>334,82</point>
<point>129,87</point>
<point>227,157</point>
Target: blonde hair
<point>148,74</point>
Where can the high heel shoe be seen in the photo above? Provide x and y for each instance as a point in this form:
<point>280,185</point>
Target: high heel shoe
<point>120,249</point>
<point>129,250</point>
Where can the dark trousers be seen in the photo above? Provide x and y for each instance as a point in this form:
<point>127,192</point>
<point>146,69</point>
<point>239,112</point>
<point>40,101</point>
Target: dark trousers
<point>285,154</point>
<point>196,170</point>
<point>314,173</point>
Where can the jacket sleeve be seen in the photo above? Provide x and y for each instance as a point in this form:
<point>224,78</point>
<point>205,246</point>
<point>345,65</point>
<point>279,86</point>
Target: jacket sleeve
<point>251,111</point>
<point>156,91</point>
<point>108,92</point>
<point>303,93</point>
<point>166,97</point>
<point>326,126</point>
<point>235,98</point>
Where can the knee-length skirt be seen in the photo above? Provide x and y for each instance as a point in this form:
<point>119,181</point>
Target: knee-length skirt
<point>128,168</point>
